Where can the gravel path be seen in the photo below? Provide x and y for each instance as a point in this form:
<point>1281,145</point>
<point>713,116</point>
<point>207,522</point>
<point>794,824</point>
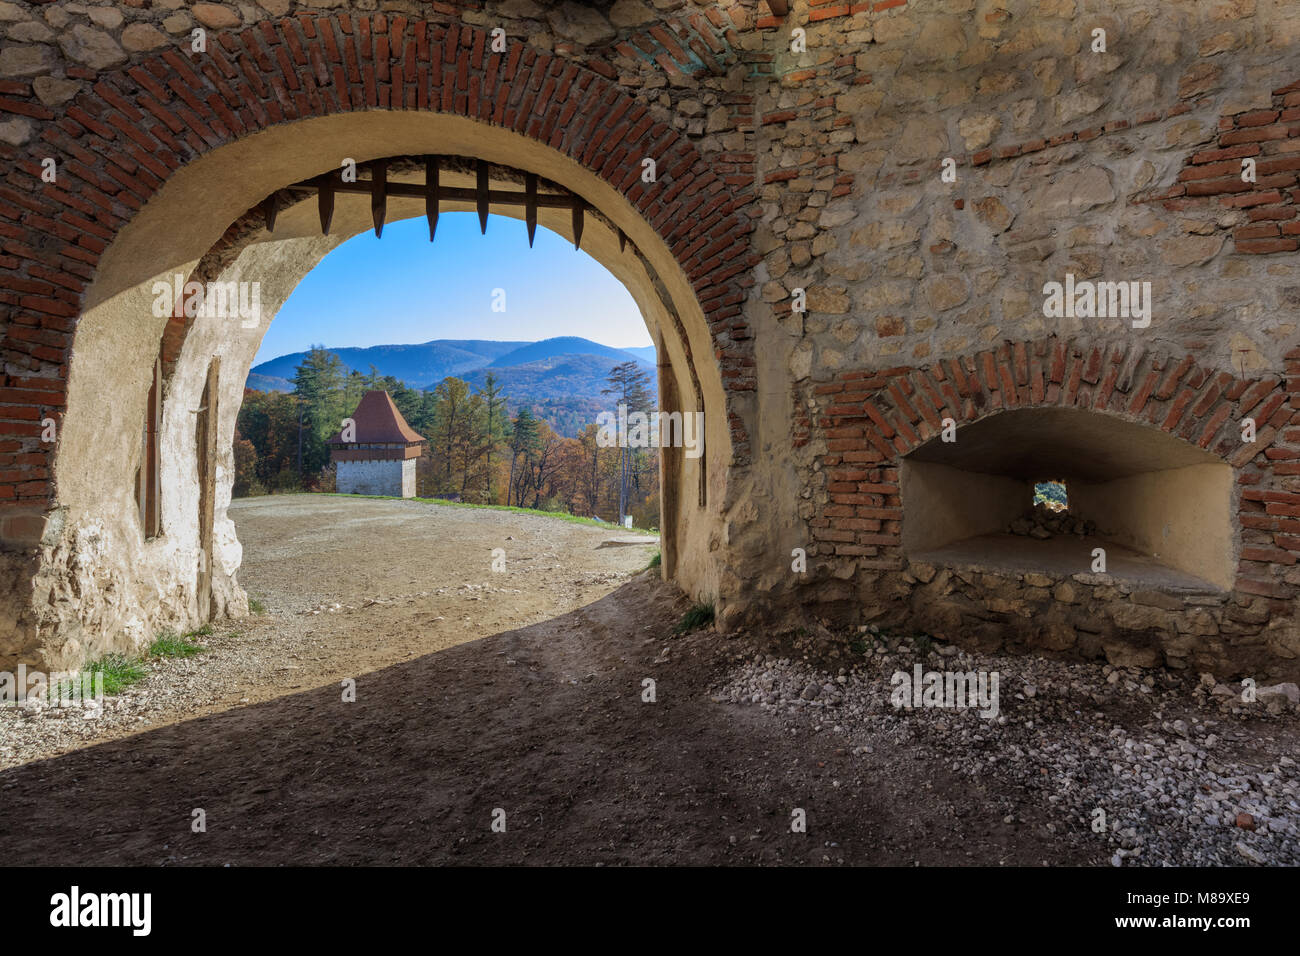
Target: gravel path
<point>1183,772</point>
<point>524,691</point>
<point>350,585</point>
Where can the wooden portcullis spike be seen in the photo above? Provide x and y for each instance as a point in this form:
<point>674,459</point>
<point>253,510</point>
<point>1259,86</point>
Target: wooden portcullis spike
<point>325,198</point>
<point>577,222</point>
<point>379,194</point>
<point>622,240</point>
<point>530,205</point>
<point>270,209</point>
<point>482,198</point>
<point>434,193</point>
<point>431,200</point>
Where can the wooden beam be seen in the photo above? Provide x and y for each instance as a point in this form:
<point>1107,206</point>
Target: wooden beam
<point>206,446</point>
<point>530,205</point>
<point>431,197</point>
<point>496,197</point>
<point>482,197</point>
<point>379,194</point>
<point>271,208</point>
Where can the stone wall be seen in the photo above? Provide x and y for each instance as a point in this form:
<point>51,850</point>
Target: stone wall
<point>816,170</point>
<point>377,477</point>
<point>865,423</point>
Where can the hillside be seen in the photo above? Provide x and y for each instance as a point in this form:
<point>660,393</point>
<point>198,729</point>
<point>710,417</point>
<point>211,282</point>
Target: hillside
<point>267,383</point>
<point>560,379</point>
<point>646,353</point>
<point>562,347</point>
<point>423,365</point>
<point>560,376</point>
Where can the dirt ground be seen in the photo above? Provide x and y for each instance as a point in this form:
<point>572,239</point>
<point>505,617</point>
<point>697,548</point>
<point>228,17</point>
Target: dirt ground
<point>372,582</point>
<point>477,693</point>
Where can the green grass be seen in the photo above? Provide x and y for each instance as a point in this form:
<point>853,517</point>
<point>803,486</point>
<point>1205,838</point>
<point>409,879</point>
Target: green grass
<point>168,644</point>
<point>255,606</point>
<point>561,515</point>
<point>656,560</point>
<point>701,615</point>
<point>119,672</point>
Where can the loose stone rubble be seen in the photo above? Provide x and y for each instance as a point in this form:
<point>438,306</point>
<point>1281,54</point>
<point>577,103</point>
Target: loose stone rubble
<point>1186,772</point>
<point>818,167</point>
<point>1043,522</point>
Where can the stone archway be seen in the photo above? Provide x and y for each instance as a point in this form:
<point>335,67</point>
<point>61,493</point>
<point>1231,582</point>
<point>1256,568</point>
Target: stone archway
<point>176,150</point>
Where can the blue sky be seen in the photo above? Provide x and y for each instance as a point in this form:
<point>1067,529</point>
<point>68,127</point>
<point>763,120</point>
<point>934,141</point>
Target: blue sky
<point>403,289</point>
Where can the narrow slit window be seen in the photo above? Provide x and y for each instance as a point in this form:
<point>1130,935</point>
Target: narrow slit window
<point>1052,495</point>
<point>147,483</point>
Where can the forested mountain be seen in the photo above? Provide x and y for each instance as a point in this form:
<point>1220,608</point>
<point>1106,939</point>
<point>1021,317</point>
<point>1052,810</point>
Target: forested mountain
<point>560,379</point>
<point>428,363</point>
<point>484,445</point>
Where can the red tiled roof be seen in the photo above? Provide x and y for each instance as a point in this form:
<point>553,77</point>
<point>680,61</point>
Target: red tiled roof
<point>378,420</point>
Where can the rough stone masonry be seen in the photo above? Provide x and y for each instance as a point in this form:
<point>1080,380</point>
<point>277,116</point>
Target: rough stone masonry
<point>843,257</point>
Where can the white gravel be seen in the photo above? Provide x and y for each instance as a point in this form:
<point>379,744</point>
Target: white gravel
<point>1175,764</point>
<point>217,678</point>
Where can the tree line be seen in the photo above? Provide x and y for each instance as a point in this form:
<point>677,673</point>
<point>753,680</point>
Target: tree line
<point>477,451</point>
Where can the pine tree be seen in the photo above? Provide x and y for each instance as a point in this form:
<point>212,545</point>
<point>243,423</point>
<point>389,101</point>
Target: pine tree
<point>319,385</point>
<point>630,386</point>
<point>523,444</point>
<point>495,427</point>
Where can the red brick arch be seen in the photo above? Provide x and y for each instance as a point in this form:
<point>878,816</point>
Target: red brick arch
<point>119,141</point>
<point>868,420</point>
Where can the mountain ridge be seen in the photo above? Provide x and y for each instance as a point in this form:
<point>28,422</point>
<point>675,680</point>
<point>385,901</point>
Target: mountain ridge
<point>562,377</point>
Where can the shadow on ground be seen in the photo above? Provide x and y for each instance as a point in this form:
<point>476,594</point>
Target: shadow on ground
<point>545,722</point>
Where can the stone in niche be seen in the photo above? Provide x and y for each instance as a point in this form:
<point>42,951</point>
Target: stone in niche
<point>20,61</point>
<point>139,37</point>
<point>54,91</point>
<point>214,16</point>
<point>92,48</point>
<point>572,21</point>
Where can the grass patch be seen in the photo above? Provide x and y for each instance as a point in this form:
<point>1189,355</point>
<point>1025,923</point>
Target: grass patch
<point>701,615</point>
<point>561,515</point>
<point>923,643</point>
<point>656,560</point>
<point>168,644</point>
<point>119,672</point>
<point>255,606</point>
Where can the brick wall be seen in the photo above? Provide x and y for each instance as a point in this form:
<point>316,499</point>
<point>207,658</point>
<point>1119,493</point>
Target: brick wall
<point>868,420</point>
<point>816,170</point>
<point>120,139</point>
